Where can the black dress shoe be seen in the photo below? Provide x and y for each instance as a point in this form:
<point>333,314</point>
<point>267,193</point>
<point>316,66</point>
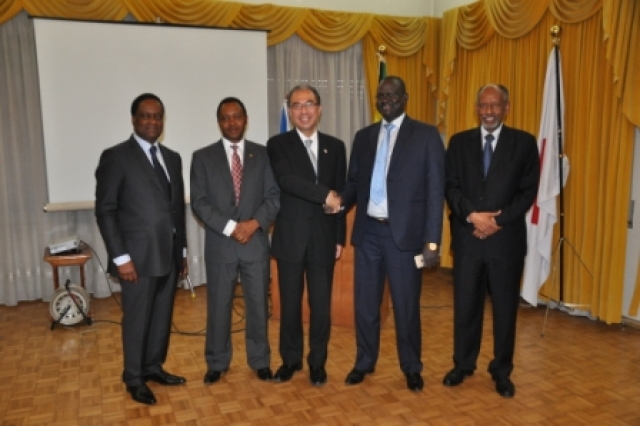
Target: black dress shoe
<point>142,394</point>
<point>285,372</point>
<point>414,382</point>
<point>456,376</point>
<point>212,376</point>
<point>318,376</point>
<point>264,374</point>
<point>164,378</point>
<point>355,376</point>
<point>505,387</point>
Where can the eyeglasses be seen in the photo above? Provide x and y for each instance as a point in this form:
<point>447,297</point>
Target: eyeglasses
<point>299,106</point>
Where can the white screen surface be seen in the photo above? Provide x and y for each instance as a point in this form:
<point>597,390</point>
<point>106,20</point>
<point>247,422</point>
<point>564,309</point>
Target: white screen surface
<point>90,72</point>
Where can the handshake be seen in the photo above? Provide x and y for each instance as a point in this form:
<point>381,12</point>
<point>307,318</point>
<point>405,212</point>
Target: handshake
<point>333,203</point>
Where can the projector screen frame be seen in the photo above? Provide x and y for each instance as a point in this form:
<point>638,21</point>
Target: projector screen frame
<point>255,97</point>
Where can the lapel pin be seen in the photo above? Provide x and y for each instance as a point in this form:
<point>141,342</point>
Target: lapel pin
<point>324,150</point>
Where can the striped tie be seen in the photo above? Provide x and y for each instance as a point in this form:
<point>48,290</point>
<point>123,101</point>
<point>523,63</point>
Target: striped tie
<point>236,172</point>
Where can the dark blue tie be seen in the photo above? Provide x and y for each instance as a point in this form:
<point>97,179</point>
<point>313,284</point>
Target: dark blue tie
<point>159,170</point>
<point>487,153</point>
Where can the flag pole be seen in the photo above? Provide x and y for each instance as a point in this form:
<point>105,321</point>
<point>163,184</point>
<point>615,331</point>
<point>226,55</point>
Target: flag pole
<point>555,38</point>
<point>382,73</point>
<point>555,34</point>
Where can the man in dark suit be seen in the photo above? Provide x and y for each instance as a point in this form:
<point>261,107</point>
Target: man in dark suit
<point>492,179</point>
<point>235,196</point>
<point>141,215</point>
<point>310,168</point>
<point>396,179</point>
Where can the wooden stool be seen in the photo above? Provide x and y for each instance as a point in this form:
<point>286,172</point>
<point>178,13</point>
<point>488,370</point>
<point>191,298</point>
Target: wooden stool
<point>68,259</point>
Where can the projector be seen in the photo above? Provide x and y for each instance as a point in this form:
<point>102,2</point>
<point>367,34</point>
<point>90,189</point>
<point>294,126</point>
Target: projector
<point>64,244</point>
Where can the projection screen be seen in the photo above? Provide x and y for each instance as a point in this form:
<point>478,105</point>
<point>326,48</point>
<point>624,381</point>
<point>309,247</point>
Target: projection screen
<point>90,72</point>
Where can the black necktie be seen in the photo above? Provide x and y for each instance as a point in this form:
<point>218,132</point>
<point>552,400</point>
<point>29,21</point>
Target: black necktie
<point>487,153</point>
<point>159,170</point>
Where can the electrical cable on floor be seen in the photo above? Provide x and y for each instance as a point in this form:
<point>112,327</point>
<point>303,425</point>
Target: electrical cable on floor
<point>175,329</point>
<point>104,273</point>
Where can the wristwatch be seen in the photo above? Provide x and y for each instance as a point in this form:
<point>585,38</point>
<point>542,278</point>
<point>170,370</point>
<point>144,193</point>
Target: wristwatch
<point>433,246</point>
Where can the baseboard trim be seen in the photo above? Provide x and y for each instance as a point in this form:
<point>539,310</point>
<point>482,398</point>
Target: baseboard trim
<point>631,323</point>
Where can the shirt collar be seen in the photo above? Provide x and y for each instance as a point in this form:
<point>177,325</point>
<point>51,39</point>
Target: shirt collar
<point>313,137</point>
<point>495,133</point>
<point>144,144</point>
<point>227,144</point>
<point>397,122</point>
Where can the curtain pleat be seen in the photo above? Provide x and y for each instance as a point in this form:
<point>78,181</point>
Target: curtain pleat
<point>514,18</point>
<point>281,22</point>
<point>409,41</point>
<point>621,24</point>
<point>574,11</point>
<point>418,65</point>
<point>85,10</point>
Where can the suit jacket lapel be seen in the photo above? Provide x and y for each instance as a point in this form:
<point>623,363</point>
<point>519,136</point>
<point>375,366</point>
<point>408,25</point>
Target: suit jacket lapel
<point>249,170</point>
<point>402,140</point>
<point>502,147</point>
<point>323,156</point>
<point>219,159</point>
<point>141,158</point>
<point>475,140</point>
<point>372,150</point>
<point>172,169</point>
<point>299,152</point>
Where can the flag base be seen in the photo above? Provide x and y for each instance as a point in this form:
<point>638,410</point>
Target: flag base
<point>560,304</point>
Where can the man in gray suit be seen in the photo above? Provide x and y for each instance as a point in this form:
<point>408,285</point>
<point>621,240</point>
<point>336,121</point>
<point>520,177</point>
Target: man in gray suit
<point>235,196</point>
<point>141,215</point>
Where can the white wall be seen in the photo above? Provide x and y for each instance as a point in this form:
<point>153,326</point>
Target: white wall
<point>633,235</point>
<point>443,5</point>
<point>379,7</point>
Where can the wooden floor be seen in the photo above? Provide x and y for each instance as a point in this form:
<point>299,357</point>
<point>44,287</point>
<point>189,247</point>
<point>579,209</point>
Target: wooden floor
<point>580,372</point>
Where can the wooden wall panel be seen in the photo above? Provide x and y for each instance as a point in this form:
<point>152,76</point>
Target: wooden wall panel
<point>342,296</point>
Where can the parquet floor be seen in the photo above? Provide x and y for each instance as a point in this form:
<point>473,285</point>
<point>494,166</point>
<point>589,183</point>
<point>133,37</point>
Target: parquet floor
<point>580,372</point>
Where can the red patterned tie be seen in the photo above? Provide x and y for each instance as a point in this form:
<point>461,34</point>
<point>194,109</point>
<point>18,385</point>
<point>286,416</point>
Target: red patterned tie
<point>236,172</point>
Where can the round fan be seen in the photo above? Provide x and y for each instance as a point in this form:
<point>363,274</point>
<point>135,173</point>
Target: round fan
<point>70,305</point>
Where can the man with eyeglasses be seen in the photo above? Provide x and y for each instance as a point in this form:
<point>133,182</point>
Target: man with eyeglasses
<point>396,180</point>
<point>310,168</point>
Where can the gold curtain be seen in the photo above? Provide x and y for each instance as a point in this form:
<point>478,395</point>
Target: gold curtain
<point>599,66</point>
<point>491,40</point>
<point>412,47</point>
<point>412,43</point>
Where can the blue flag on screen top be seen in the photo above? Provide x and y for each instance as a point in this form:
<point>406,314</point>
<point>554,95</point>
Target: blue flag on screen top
<point>284,118</point>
